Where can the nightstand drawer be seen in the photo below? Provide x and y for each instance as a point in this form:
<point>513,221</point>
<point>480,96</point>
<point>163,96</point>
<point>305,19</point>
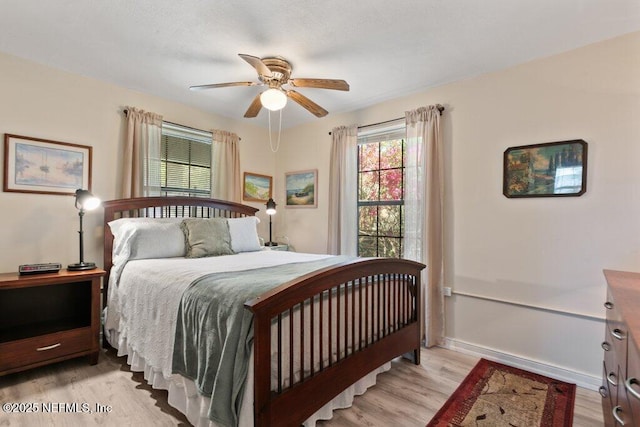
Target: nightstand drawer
<point>29,351</point>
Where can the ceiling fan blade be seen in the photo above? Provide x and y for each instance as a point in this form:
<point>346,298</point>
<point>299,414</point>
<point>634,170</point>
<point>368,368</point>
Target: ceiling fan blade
<point>256,63</point>
<point>311,106</point>
<point>213,86</point>
<point>254,108</point>
<point>320,83</point>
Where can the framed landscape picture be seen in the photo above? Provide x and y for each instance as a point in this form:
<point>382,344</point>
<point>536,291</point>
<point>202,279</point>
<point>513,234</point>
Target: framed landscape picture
<point>553,169</point>
<point>256,188</point>
<point>301,189</point>
<point>33,165</point>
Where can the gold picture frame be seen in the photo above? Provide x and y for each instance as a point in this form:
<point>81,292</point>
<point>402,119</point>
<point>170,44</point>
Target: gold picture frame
<point>256,187</point>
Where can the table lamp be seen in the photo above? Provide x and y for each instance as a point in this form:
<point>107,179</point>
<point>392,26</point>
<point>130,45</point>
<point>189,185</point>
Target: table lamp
<point>271,210</point>
<point>85,201</point>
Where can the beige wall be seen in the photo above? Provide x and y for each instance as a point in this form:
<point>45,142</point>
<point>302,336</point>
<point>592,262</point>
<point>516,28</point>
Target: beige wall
<point>545,252</point>
<point>41,102</point>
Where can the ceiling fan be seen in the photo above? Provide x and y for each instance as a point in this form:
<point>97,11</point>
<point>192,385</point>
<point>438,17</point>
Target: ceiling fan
<point>275,72</point>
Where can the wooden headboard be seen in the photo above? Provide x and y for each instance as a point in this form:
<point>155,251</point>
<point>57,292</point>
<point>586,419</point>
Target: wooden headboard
<point>164,207</point>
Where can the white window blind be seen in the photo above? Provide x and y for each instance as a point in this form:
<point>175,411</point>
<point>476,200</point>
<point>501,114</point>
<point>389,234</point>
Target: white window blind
<point>185,161</point>
<point>379,134</point>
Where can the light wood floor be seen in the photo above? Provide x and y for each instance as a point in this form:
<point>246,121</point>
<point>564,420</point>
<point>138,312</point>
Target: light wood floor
<point>407,395</point>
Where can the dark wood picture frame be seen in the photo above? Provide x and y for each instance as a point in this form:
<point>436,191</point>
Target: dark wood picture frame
<point>256,187</point>
<point>43,166</point>
<point>552,169</point>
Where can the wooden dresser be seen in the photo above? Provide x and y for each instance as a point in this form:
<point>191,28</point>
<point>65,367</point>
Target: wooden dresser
<point>620,388</point>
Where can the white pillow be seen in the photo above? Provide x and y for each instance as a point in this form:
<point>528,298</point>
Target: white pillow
<point>117,224</point>
<point>143,238</point>
<point>244,234</point>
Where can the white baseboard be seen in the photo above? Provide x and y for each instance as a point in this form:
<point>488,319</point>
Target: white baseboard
<point>580,379</point>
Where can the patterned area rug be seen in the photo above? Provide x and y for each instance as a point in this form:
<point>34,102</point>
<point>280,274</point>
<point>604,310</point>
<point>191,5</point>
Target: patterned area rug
<point>497,395</point>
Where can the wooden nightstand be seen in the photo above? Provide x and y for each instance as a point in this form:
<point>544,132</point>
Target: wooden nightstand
<point>46,318</point>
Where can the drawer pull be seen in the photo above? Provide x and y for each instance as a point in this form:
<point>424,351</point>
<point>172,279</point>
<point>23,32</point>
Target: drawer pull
<point>606,346</point>
<point>603,391</point>
<point>611,379</point>
<point>618,334</point>
<point>628,384</point>
<point>614,412</point>
<point>608,305</point>
<point>49,347</point>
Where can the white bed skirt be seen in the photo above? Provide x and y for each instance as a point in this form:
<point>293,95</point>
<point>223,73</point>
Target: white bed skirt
<point>184,396</point>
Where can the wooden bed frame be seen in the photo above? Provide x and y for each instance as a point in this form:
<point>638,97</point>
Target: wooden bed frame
<point>374,304</point>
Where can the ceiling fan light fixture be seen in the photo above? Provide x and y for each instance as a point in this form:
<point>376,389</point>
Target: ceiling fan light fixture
<point>273,99</point>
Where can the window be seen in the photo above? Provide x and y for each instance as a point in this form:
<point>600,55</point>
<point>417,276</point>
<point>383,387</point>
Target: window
<point>381,192</point>
<point>185,161</point>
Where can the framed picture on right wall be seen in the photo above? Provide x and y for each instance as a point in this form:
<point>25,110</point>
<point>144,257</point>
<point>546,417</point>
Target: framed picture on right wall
<point>301,188</point>
<point>552,169</point>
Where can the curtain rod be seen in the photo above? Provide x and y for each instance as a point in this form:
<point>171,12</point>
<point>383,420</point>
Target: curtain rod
<point>438,106</point>
<point>126,112</point>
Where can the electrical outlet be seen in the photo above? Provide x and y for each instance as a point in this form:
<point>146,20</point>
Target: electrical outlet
<point>447,291</point>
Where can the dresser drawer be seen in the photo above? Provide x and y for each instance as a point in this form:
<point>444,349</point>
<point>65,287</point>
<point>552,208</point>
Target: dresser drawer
<point>604,389</point>
<point>621,412</point>
<point>613,381</point>
<point>605,392</point>
<point>30,351</point>
<point>617,339</point>
<point>615,355</point>
<point>633,380</point>
<point>613,313</point>
<point>618,332</point>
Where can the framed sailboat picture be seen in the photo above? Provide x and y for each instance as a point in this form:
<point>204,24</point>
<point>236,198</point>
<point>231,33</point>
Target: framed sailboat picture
<point>34,165</point>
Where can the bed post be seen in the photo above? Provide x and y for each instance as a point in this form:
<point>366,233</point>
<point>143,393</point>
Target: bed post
<point>262,371</point>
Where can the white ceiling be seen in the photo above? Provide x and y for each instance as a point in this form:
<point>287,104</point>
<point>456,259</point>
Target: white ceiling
<point>384,49</point>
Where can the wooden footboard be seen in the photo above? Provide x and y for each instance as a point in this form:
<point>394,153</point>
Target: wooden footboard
<point>343,322</point>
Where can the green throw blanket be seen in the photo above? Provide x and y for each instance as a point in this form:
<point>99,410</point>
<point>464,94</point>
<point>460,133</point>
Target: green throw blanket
<point>214,332</point>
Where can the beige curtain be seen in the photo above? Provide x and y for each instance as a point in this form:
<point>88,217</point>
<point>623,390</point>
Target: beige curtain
<point>225,166</point>
<point>424,191</point>
<point>141,157</point>
<point>343,192</point>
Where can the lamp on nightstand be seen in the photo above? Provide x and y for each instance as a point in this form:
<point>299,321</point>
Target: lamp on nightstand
<point>271,210</point>
<point>85,201</point>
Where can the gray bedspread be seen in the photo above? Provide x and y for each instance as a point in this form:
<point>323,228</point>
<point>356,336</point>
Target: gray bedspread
<point>214,332</point>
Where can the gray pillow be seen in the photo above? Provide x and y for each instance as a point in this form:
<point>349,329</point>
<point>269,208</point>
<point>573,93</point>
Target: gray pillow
<point>206,237</point>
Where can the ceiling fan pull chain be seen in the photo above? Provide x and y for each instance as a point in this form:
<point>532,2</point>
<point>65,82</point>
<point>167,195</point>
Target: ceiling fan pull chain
<point>279,133</point>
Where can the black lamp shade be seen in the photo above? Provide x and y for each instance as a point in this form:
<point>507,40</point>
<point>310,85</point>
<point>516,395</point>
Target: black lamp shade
<point>271,207</point>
